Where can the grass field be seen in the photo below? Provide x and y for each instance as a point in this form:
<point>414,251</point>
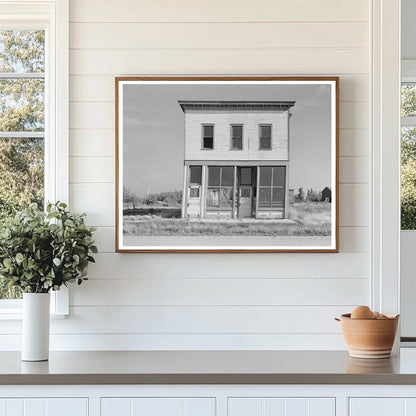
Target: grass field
<point>308,219</point>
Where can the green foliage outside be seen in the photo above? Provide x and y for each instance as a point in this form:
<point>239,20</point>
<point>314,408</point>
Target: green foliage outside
<point>408,179</point>
<point>40,252</point>
<point>408,160</point>
<point>21,110</point>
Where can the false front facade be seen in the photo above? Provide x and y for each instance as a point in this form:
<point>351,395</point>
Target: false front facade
<point>236,159</point>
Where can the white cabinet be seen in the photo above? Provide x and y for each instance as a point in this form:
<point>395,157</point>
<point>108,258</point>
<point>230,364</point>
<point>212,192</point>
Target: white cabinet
<point>44,407</point>
<point>157,406</point>
<point>281,406</point>
<point>383,406</point>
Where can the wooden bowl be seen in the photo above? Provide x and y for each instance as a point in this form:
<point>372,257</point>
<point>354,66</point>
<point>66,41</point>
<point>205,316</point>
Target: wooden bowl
<point>369,338</point>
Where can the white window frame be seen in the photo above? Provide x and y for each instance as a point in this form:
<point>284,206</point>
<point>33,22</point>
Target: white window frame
<point>53,17</point>
<point>385,184</point>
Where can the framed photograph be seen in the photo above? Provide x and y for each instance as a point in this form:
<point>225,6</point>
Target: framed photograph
<point>226,164</point>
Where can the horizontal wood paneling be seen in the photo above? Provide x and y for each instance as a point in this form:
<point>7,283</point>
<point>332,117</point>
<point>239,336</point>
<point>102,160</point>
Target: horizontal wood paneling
<point>88,115</point>
<point>218,11</point>
<point>221,35</point>
<point>91,169</point>
<point>277,265</point>
<point>269,301</point>
<point>354,170</point>
<point>200,319</point>
<point>95,143</point>
<point>220,62</point>
<point>354,205</point>
<point>96,199</point>
<point>99,143</point>
<point>98,88</point>
<point>352,239</point>
<point>185,341</point>
<point>255,291</point>
<point>354,142</point>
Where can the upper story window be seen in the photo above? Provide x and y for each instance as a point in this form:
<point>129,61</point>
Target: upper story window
<point>236,136</point>
<point>207,136</point>
<point>265,137</point>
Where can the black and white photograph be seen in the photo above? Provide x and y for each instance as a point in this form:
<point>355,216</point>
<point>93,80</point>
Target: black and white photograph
<point>227,164</point>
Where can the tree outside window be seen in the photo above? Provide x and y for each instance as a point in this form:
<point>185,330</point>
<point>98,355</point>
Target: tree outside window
<point>22,124</point>
<point>408,157</point>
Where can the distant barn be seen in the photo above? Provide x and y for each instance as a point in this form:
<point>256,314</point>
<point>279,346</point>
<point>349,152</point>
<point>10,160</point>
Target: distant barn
<point>326,195</point>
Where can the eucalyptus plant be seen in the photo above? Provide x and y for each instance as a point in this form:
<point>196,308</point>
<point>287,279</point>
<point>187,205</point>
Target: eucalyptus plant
<point>42,251</point>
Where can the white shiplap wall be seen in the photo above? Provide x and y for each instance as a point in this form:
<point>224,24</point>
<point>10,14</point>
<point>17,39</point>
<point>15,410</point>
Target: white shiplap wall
<point>214,301</point>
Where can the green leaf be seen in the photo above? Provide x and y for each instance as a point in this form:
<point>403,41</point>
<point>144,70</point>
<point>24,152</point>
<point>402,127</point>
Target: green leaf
<point>56,261</point>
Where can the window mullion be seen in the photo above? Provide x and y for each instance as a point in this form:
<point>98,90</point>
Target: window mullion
<point>22,134</point>
<point>22,75</point>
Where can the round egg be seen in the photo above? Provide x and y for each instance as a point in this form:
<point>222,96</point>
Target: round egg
<point>362,312</point>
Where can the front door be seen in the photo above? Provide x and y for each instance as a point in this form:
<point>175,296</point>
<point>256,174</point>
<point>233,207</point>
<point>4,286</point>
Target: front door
<point>194,201</point>
<point>245,201</point>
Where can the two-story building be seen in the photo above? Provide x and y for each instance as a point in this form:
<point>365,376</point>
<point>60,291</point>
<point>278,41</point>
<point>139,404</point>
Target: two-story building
<point>236,159</point>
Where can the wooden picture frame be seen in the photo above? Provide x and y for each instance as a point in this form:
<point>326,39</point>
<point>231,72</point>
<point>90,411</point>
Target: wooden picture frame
<point>181,186</point>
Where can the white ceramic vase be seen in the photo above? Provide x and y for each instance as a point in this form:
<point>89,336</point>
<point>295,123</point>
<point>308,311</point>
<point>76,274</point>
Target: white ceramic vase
<point>35,326</point>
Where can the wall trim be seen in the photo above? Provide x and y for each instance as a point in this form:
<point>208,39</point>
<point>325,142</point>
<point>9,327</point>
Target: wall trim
<point>385,192</point>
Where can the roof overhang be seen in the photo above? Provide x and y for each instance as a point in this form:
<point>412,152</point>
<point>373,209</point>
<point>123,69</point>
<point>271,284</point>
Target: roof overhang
<point>236,105</point>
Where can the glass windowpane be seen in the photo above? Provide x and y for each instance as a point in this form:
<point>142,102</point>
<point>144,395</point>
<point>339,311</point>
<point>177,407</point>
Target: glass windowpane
<point>408,105</point>
<point>237,143</point>
<point>265,197</point>
<point>265,176</point>
<point>213,197</point>
<point>22,105</point>
<point>237,132</point>
<point>245,176</point>
<point>208,131</point>
<point>227,176</point>
<point>226,197</point>
<point>208,143</point>
<point>279,175</point>
<point>278,197</point>
<point>195,175</point>
<point>22,51</point>
<point>213,176</point>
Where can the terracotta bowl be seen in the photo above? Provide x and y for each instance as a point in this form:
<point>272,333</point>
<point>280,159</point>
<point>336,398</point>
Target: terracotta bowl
<point>369,338</point>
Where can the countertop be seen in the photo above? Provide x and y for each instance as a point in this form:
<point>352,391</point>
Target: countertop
<point>208,367</point>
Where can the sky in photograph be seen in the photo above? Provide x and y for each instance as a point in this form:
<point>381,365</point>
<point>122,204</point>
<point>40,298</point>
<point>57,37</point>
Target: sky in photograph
<point>153,131</point>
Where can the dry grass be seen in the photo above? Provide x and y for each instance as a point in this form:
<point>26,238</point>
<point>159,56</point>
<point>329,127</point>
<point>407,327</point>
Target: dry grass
<point>310,219</point>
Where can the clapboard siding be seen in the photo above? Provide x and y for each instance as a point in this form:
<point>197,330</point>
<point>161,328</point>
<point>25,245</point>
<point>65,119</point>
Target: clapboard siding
<point>219,11</point>
<point>352,239</point>
<point>99,88</point>
<point>219,292</point>
<point>100,142</point>
<point>295,61</point>
<point>208,265</point>
<point>100,115</point>
<point>221,35</point>
<point>213,301</point>
<point>184,341</point>
<point>200,319</point>
<point>101,169</point>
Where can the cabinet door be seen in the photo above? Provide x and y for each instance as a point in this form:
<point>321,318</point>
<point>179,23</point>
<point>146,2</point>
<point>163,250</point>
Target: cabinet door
<point>273,406</point>
<point>155,406</point>
<point>44,407</point>
<point>375,406</point>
